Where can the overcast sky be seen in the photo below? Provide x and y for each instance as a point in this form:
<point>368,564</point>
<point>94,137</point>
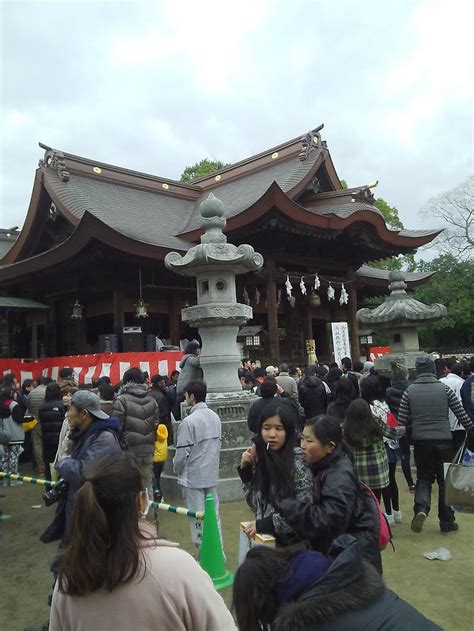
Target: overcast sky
<point>156,86</point>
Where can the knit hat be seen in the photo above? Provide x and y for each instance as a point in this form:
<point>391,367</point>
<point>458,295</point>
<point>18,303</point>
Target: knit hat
<point>425,365</point>
<point>304,570</point>
<point>399,372</point>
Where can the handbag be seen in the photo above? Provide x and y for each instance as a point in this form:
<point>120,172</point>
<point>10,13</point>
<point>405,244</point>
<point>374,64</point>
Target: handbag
<point>460,484</point>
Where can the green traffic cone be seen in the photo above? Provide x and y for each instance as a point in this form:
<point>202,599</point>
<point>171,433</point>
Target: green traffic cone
<point>211,557</point>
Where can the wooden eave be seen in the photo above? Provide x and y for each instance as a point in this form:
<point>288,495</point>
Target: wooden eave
<point>274,197</point>
<point>32,220</point>
<point>88,229</point>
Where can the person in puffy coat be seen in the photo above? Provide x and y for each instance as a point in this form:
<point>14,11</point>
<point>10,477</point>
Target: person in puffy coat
<point>51,415</point>
<point>138,414</point>
<point>190,368</point>
<point>295,589</point>
<point>312,394</point>
<point>338,503</point>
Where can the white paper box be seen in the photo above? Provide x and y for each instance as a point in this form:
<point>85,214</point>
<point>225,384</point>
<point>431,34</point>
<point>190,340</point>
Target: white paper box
<point>259,540</point>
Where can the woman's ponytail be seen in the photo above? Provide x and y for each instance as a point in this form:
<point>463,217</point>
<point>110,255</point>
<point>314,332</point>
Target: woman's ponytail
<point>84,561</point>
<point>105,537</point>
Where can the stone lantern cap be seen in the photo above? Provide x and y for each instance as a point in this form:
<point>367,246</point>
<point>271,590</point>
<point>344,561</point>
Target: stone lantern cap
<point>399,309</point>
<point>214,252</point>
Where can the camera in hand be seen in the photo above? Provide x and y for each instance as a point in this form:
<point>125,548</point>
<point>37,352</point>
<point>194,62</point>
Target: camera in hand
<point>58,491</point>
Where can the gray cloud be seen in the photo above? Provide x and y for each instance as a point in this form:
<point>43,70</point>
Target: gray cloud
<point>158,86</point>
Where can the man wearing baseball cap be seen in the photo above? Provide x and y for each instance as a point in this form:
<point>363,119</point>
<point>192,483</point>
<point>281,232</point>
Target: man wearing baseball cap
<point>93,434</point>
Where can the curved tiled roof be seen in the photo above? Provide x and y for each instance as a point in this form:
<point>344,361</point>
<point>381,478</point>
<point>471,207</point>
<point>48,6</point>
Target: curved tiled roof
<point>134,208</point>
<point>141,215</point>
<point>239,194</point>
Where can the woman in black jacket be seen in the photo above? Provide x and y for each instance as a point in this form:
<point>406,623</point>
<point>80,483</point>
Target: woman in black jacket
<point>338,503</point>
<point>294,589</point>
<point>51,416</point>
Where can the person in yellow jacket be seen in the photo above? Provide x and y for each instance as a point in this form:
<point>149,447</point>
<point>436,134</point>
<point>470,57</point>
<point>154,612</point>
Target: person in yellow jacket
<point>159,459</point>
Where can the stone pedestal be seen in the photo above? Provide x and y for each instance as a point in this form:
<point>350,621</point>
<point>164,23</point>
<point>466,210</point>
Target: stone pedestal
<point>236,436</point>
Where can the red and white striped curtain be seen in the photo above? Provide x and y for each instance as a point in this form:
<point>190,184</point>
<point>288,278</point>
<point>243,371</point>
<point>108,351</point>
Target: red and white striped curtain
<point>89,367</point>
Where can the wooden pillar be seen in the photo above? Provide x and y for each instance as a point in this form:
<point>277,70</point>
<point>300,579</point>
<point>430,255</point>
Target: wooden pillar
<point>174,312</point>
<point>10,316</point>
<point>272,314</point>
<point>117,305</point>
<point>34,340</point>
<point>353,324</point>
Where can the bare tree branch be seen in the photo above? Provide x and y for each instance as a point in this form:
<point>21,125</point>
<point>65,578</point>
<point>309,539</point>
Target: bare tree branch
<point>456,209</point>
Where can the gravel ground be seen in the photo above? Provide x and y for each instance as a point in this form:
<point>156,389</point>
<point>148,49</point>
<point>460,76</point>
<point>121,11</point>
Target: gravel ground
<point>440,590</point>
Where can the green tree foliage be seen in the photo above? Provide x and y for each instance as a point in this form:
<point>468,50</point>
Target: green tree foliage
<point>204,167</point>
<point>344,184</point>
<point>453,286</point>
<point>390,214</point>
<point>393,221</point>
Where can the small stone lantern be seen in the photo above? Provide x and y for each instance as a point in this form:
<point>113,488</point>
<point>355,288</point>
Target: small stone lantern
<point>399,317</point>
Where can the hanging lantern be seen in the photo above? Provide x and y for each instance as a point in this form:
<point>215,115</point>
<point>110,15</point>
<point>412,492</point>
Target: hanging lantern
<point>288,286</point>
<point>331,292</point>
<point>314,300</point>
<point>140,309</point>
<point>344,299</point>
<point>278,297</point>
<point>317,282</point>
<point>77,309</point>
<point>303,286</point>
<point>245,295</point>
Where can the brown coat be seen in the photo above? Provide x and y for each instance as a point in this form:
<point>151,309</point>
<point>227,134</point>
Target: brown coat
<point>138,414</point>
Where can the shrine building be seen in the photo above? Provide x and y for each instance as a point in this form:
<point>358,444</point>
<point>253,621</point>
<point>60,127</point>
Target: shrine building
<point>86,273</point>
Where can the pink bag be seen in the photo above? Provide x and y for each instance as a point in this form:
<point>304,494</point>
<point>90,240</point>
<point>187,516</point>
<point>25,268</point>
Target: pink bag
<point>384,534</point>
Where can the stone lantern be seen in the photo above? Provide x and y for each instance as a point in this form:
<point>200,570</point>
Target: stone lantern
<point>218,316</point>
<point>399,317</point>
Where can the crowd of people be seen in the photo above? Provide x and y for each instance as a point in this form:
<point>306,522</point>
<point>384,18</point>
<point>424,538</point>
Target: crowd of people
<point>323,454</point>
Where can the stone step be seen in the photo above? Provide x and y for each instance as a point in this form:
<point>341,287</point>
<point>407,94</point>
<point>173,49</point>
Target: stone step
<point>229,490</point>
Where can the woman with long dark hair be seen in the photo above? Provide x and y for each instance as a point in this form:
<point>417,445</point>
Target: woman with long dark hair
<point>115,573</point>
<point>372,391</point>
<point>338,503</point>
<point>344,394</point>
<point>296,589</point>
<point>273,469</point>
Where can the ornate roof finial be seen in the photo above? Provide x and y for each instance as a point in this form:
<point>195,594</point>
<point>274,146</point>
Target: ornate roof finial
<point>311,141</point>
<point>55,160</point>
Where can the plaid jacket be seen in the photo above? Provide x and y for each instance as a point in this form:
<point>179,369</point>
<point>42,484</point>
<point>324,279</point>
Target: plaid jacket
<point>371,461</point>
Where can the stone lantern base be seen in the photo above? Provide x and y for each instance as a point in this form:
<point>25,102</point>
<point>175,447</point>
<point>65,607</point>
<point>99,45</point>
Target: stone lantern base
<point>232,409</point>
<point>383,364</point>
